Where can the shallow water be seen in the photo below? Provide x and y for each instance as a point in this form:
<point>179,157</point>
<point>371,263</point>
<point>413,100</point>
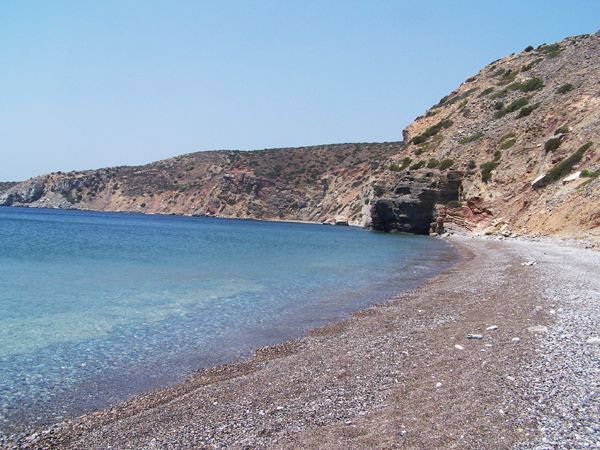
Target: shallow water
<point>97,307</point>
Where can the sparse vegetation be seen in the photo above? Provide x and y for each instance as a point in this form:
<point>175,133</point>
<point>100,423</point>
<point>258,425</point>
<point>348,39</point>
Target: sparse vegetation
<point>499,94</point>
<point>446,164</point>
<point>533,84</point>
<point>561,130</point>
<point>432,131</point>
<point>487,167</point>
<point>514,106</point>
<point>432,163</point>
<point>564,168</point>
<point>418,165</point>
<point>565,88</point>
<point>405,163</point>
<point>528,49</point>
<point>512,134</point>
<point>508,144</point>
<point>472,138</point>
<point>486,92</point>
<point>529,66</point>
<point>525,111</point>
<point>454,204</point>
<point>552,144</point>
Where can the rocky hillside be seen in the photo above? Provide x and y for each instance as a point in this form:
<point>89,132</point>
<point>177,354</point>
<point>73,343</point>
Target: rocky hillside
<point>518,144</point>
<point>307,184</point>
<point>513,150</point>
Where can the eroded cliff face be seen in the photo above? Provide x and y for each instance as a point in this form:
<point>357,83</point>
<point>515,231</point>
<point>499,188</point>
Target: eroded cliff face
<point>514,150</point>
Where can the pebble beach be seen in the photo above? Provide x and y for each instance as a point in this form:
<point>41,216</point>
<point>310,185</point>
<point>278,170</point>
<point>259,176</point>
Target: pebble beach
<point>500,351</point>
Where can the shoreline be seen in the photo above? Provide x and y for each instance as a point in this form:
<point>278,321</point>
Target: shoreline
<point>390,377</point>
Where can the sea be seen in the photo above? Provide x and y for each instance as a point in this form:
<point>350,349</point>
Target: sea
<point>97,307</point>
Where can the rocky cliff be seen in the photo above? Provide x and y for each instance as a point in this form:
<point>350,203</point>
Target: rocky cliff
<point>513,150</point>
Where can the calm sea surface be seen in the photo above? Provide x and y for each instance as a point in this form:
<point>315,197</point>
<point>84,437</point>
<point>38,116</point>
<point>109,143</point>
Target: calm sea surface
<point>97,307</point>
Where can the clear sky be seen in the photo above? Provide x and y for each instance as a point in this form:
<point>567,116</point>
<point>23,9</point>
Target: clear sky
<point>90,84</point>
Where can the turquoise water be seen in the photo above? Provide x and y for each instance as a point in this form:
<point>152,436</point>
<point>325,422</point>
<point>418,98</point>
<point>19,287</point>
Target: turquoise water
<point>97,307</point>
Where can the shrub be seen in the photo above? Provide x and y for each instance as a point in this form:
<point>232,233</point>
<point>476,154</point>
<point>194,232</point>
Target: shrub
<point>499,94</point>
<point>473,138</point>
<point>529,66</point>
<point>514,106</point>
<point>509,76</point>
<point>498,72</point>
<point>562,130</point>
<point>528,110</point>
<point>508,144</point>
<point>405,163</point>
<point>486,170</point>
<point>552,144</point>
<point>395,167</point>
<point>528,49</point>
<point>565,88</point>
<point>443,100</point>
<point>142,205</point>
<point>471,165</point>
<point>466,112</point>
<point>470,79</point>
<point>378,189</point>
<point>454,204</point>
<point>486,92</point>
<point>418,165</point>
<point>432,163</point>
<point>432,131</point>
<point>532,85</point>
<point>446,163</point>
<point>498,106</point>
<point>563,168</point>
<point>517,85</point>
<point>507,136</point>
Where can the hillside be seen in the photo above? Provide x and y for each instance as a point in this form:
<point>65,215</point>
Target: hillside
<point>513,150</point>
<point>305,184</point>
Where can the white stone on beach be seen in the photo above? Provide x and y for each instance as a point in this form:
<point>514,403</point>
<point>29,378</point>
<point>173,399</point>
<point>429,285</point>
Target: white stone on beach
<point>437,385</point>
<point>593,341</point>
<point>538,329</point>
<point>493,327</point>
<point>474,336</point>
<point>516,340</point>
<point>460,347</point>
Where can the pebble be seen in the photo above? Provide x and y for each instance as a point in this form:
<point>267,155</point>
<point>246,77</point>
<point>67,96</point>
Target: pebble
<point>460,347</point>
<point>474,336</point>
<point>538,329</point>
<point>516,339</point>
<point>593,341</point>
<point>529,263</point>
<point>493,327</point>
<point>437,385</point>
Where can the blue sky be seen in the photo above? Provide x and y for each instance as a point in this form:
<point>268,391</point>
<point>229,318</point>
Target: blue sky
<point>90,84</point>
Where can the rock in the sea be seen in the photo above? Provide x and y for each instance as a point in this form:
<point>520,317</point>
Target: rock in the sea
<point>474,336</point>
<point>538,329</point>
